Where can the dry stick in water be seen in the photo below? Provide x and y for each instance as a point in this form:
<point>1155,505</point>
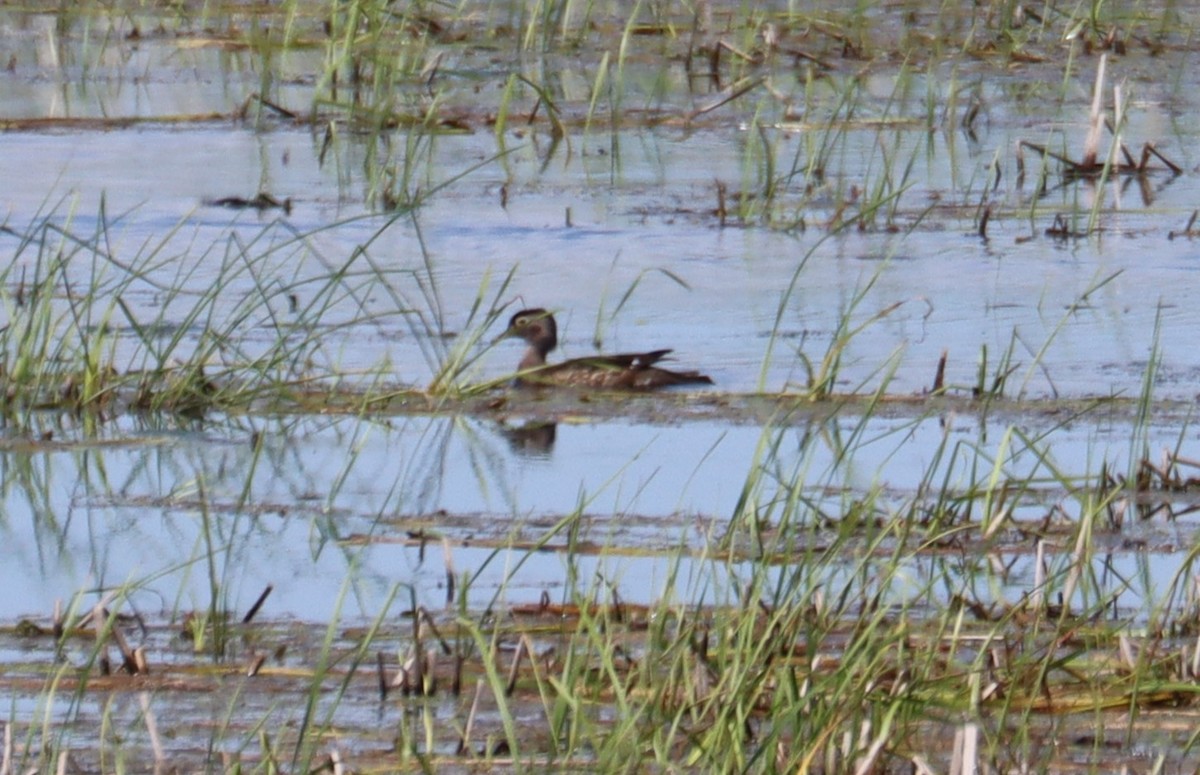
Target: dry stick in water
<point>714,66</point>
<point>465,740</point>
<point>1066,161</point>
<point>456,684</point>
<point>939,378</point>
<point>258,604</point>
<point>99,619</point>
<point>512,671</point>
<point>269,105</point>
<point>448,561</point>
<point>381,673</point>
<point>429,684</point>
<point>416,673</point>
<point>1091,145</point>
<point>966,746</point>
<point>1126,650</point>
<point>412,673</point>
<point>424,618</point>
<point>256,665</point>
<point>1036,595</point>
<point>1186,461</point>
<point>1129,161</point>
<point>414,666</point>
<point>1187,231</point>
<point>732,93</point>
<point>867,762</point>
<point>737,52</point>
<point>1151,148</point>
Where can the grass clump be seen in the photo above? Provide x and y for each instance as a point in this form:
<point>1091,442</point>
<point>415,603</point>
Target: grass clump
<point>164,330</point>
<point>831,632</point>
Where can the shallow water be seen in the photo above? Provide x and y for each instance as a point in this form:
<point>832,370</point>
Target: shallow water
<point>323,502</point>
<point>616,228</point>
<point>644,209</point>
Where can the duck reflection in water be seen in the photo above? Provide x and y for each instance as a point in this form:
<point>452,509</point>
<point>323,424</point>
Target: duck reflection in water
<point>531,439</point>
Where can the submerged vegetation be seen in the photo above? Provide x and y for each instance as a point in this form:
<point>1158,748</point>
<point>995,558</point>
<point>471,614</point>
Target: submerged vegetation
<point>886,591</point>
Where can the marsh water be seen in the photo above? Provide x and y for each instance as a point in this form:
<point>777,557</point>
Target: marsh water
<point>616,228</point>
<point>144,127</point>
<point>308,504</point>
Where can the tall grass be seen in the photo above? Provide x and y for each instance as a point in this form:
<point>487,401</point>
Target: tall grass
<point>257,317</point>
<point>834,639</point>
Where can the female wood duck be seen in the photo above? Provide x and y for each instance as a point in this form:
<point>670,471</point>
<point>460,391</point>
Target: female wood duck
<point>628,371</point>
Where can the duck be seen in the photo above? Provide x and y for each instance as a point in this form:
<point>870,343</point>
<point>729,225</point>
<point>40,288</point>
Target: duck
<point>626,371</point>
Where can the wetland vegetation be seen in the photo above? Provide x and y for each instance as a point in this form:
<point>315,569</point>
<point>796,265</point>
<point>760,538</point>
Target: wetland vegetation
<point>271,505</point>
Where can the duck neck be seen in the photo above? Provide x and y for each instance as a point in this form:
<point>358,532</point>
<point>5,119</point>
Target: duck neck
<point>534,357</point>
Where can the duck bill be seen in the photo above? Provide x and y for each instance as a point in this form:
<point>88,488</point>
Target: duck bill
<point>507,333</point>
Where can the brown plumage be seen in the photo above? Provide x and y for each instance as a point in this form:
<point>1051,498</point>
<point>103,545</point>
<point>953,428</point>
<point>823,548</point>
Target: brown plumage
<point>627,371</point>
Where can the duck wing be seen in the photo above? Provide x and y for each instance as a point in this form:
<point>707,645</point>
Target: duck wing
<point>626,371</point>
<point>624,360</point>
